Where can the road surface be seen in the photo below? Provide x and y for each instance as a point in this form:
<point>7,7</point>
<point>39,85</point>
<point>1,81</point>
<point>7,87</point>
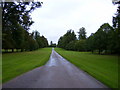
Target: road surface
<point>57,73</point>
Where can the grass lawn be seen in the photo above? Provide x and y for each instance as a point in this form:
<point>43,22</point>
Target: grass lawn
<point>102,67</point>
<point>14,64</point>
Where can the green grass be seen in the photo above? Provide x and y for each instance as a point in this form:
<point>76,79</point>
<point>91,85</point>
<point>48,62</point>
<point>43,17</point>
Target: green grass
<point>14,64</point>
<point>102,67</point>
<point>10,50</point>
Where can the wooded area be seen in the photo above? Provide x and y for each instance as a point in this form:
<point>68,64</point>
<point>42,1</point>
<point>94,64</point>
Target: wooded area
<point>106,40</point>
<point>16,21</point>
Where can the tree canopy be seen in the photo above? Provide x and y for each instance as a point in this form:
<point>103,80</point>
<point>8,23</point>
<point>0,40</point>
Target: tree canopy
<point>16,21</point>
<point>103,40</point>
<point>66,39</point>
<point>82,33</point>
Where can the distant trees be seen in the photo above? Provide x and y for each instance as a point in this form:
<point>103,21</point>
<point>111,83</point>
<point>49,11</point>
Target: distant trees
<point>16,22</point>
<point>80,44</point>
<point>64,41</point>
<point>41,40</point>
<point>103,40</point>
<point>70,42</point>
<point>82,33</point>
<point>52,44</point>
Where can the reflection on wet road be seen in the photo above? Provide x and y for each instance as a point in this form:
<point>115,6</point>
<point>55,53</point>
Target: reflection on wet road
<point>57,73</point>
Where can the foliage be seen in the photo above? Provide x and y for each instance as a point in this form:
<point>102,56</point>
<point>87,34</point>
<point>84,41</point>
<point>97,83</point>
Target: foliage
<point>16,21</point>
<point>66,39</point>
<point>80,45</point>
<point>116,25</point>
<point>52,44</point>
<point>82,33</point>
<point>103,40</point>
<point>90,43</point>
<point>71,45</point>
<point>41,40</point>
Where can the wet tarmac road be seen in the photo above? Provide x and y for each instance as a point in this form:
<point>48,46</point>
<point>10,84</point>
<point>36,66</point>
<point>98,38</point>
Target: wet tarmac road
<point>57,73</point>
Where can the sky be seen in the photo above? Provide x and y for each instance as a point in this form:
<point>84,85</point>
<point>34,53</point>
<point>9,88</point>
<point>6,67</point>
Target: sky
<point>55,17</point>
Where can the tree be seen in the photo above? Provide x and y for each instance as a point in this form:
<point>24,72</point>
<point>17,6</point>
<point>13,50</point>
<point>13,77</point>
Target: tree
<point>111,42</point>
<point>90,43</point>
<point>18,37</point>
<point>80,45</point>
<point>16,21</point>
<point>44,41</point>
<point>102,37</point>
<point>36,36</point>
<point>99,40</point>
<point>66,39</point>
<point>41,40</point>
<point>116,19</point>
<point>82,33</point>
<point>60,42</point>
<point>51,43</point>
<point>14,13</point>
<point>116,25</point>
<point>71,45</point>
<point>109,38</point>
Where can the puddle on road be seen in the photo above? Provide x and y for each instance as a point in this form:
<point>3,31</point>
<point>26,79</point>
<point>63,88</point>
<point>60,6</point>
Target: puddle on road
<point>52,61</point>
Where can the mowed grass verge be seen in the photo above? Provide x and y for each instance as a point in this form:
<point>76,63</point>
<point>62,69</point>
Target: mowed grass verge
<point>102,67</point>
<point>14,64</point>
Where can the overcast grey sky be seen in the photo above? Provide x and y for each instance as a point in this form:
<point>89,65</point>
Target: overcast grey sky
<point>55,17</point>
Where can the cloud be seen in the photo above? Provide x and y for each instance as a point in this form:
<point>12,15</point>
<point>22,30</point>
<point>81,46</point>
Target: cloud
<point>55,17</point>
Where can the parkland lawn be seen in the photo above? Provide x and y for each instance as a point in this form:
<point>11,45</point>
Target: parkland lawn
<point>102,67</point>
<point>14,64</point>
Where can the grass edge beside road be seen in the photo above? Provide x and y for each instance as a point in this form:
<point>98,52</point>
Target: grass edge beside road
<point>15,64</point>
<point>102,67</point>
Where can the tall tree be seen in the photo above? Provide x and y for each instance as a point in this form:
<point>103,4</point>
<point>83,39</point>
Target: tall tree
<point>66,39</point>
<point>41,40</point>
<point>60,42</point>
<point>51,43</point>
<point>116,25</point>
<point>90,43</point>
<point>101,40</point>
<point>15,21</point>
<point>82,33</point>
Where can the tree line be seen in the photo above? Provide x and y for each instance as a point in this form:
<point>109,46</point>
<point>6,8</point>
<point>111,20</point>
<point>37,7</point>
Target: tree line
<point>105,40</point>
<point>16,22</point>
<point>52,44</point>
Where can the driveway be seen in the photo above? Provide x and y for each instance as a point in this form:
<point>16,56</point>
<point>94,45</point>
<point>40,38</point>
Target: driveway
<point>57,73</point>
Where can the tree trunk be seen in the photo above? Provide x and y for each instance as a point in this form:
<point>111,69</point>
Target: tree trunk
<point>92,51</point>
<point>111,51</point>
<point>21,50</point>
<point>12,50</point>
<point>99,51</point>
<point>16,50</point>
<point>6,50</point>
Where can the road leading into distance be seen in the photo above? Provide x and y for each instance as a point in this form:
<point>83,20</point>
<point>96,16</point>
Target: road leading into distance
<point>57,73</point>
